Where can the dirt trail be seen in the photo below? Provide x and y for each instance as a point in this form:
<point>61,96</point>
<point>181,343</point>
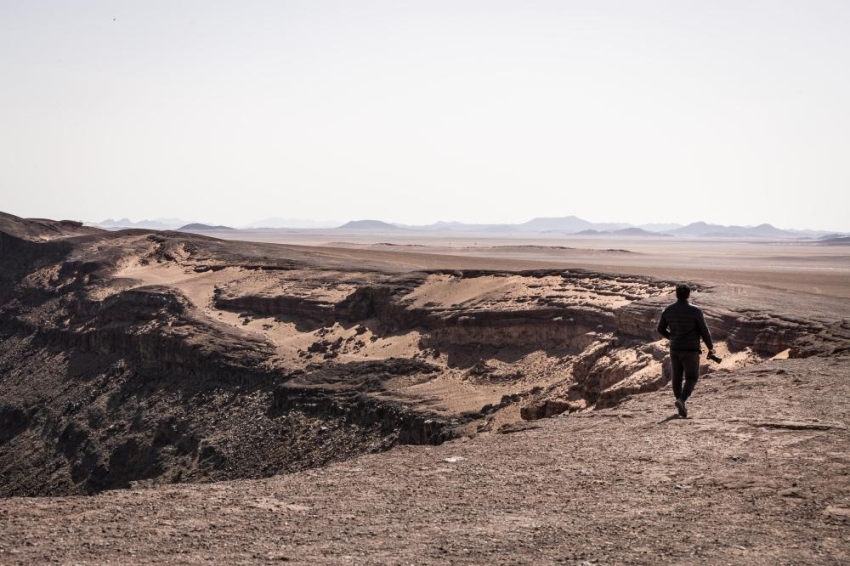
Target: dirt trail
<point>758,475</point>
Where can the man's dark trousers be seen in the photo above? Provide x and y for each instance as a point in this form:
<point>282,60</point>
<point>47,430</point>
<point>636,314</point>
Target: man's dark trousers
<point>684,364</point>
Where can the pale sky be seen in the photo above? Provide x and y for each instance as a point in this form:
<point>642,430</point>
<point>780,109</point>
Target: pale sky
<point>732,112</point>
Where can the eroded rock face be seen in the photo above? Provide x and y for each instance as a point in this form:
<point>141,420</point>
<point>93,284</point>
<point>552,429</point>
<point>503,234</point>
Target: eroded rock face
<point>517,328</point>
<point>158,329</point>
<point>767,333</point>
<point>123,359</point>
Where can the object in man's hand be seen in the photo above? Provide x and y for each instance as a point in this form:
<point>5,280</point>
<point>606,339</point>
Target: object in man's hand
<point>714,358</point>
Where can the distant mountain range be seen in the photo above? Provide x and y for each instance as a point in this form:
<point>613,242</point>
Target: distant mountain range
<point>703,230</point>
<point>566,225</point>
<point>572,225</point>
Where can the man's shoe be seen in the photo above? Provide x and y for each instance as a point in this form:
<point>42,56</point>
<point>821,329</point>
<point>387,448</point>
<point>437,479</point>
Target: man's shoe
<point>683,411</point>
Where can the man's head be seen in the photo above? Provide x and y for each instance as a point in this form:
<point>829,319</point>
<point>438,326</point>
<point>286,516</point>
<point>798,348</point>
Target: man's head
<point>683,292</point>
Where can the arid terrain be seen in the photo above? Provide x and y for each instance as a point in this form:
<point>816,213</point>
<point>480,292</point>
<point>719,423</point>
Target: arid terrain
<point>375,399</point>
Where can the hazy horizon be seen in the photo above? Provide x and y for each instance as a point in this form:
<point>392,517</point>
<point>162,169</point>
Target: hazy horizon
<point>414,113</point>
<point>297,223</point>
<point>301,223</point>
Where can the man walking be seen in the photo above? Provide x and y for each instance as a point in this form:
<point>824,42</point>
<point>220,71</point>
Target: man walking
<point>683,324</point>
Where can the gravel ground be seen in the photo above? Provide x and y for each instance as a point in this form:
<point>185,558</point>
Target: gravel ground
<point>758,474</point>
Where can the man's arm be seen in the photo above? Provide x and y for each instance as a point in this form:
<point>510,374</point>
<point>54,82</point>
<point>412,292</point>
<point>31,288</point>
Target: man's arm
<point>703,331</point>
<point>662,326</point>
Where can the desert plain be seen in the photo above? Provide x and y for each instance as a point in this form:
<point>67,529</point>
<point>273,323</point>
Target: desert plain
<point>351,397</point>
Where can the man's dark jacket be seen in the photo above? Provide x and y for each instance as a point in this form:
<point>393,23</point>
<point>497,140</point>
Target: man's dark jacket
<point>686,325</point>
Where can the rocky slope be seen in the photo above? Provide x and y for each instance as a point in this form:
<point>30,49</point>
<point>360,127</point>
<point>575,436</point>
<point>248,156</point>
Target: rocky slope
<point>757,475</point>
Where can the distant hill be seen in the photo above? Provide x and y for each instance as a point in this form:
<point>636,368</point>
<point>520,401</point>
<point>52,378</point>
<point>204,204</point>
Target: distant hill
<point>368,225</point>
<point>704,230</point>
<point>202,228</point>
<point>768,231</point>
<point>567,224</point>
<point>696,229</point>
<point>592,232</point>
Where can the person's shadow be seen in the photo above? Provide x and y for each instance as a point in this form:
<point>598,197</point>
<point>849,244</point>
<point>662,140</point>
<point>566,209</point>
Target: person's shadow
<point>673,417</point>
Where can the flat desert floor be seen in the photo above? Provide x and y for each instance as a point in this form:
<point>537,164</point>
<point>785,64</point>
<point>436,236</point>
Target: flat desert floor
<point>789,265</point>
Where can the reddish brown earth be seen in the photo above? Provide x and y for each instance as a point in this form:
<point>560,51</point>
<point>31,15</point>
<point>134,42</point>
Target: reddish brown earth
<point>395,402</point>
